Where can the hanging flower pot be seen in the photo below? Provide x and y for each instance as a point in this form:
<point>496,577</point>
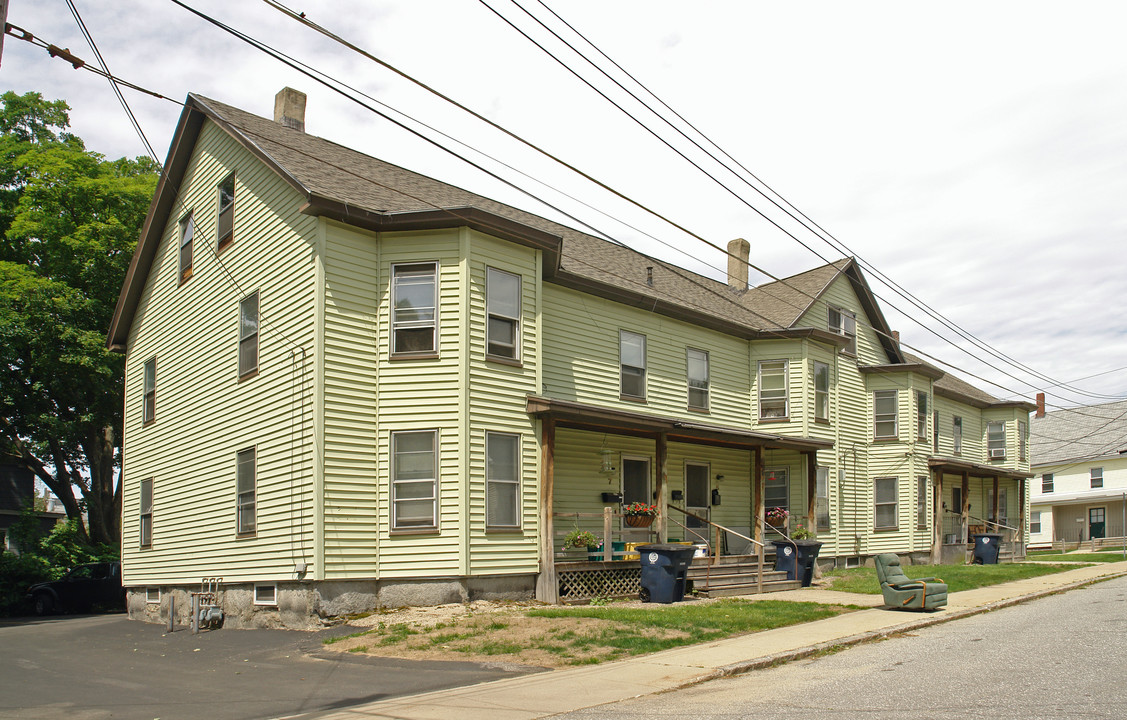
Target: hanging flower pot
<point>639,521</point>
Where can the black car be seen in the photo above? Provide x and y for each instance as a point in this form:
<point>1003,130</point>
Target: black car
<point>84,588</point>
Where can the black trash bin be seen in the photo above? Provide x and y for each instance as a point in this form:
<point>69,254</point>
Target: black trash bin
<point>664,567</point>
<point>986,548</point>
<point>797,559</point>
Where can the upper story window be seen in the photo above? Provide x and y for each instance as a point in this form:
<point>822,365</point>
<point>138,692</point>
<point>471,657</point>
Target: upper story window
<point>1047,483</point>
<point>146,525</point>
<point>697,361</point>
<point>935,431</point>
<point>187,230</point>
<point>414,480</point>
<point>996,440</point>
<point>921,415</point>
<point>502,480</point>
<point>1097,477</point>
<point>885,512</point>
<point>774,398</point>
<point>632,362</point>
<point>149,406</point>
<point>414,308</point>
<point>886,421</point>
<point>957,434</point>
<point>821,391</point>
<point>246,492</point>
<point>502,304</point>
<point>844,322</point>
<point>248,335</point>
<point>226,219</point>
<point>1022,440</point>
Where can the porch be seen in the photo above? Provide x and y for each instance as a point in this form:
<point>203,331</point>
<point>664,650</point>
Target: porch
<point>999,496</point>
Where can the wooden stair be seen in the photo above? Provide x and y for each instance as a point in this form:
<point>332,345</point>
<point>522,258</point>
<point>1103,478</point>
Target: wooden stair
<point>736,575</point>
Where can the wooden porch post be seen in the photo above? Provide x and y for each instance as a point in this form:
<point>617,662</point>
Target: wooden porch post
<point>937,518</point>
<point>662,451</point>
<point>965,509</point>
<point>757,491</point>
<point>547,589</point>
<point>997,510</point>
<point>811,488</point>
<point>1021,514</point>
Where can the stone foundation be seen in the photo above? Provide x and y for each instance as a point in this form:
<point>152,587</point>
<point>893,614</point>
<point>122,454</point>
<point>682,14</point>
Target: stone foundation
<point>309,605</point>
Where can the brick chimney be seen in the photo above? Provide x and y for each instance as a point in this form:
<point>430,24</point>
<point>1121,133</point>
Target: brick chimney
<point>1040,406</point>
<point>739,250</point>
<point>289,108</point>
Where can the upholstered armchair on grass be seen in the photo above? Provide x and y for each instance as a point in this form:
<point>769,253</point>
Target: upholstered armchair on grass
<point>902,592</point>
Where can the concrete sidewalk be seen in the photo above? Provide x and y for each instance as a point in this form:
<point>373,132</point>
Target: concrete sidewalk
<point>560,691</point>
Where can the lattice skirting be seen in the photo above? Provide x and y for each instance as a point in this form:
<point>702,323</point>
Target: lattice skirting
<point>585,581</point>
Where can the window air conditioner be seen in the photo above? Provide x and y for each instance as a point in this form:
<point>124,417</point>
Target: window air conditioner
<point>997,453</point>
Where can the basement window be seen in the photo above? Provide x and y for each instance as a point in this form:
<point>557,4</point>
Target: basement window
<point>266,594</point>
<point>152,595</point>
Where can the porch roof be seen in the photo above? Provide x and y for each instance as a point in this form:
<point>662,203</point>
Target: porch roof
<point>952,466</point>
<point>601,419</point>
<point>1082,497</point>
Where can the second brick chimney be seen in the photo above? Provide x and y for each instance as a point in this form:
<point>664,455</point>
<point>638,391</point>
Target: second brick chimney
<point>1040,405</point>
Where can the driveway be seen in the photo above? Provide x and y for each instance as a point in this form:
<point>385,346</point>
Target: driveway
<point>102,666</point>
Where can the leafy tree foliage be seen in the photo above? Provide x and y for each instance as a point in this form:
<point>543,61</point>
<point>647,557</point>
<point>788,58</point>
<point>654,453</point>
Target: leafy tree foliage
<point>70,221</point>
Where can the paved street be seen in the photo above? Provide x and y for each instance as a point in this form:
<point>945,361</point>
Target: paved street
<point>1058,657</point>
<point>93,667</point>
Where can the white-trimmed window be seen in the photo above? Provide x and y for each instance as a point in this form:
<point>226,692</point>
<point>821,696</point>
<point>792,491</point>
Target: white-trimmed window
<point>248,335</point>
<point>502,302</point>
<point>886,417</point>
<point>844,322</point>
<point>149,404</point>
<point>225,221</point>
<point>1047,483</point>
<point>414,311</point>
<point>921,502</point>
<point>187,230</point>
<point>774,396</point>
<point>146,524</point>
<point>632,360</point>
<point>885,512</point>
<point>266,594</point>
<point>935,431</point>
<point>414,479</point>
<point>822,498</point>
<point>921,415</point>
<point>776,489</point>
<point>957,434</point>
<point>1034,522</point>
<point>1096,476</point>
<point>697,377</point>
<point>996,440</point>
<point>246,492</point>
<point>821,391</point>
<point>502,480</point>
<point>152,595</point>
<point>1022,440</point>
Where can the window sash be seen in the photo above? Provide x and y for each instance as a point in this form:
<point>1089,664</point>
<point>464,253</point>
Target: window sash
<point>502,480</point>
<point>187,230</point>
<point>632,359</point>
<point>921,502</point>
<point>822,498</point>
<point>246,491</point>
<point>226,216</point>
<point>844,322</point>
<point>935,431</point>
<point>414,308</point>
<point>248,335</point>
<point>996,437</point>
<point>414,484</point>
<point>821,391</point>
<point>149,403</point>
<point>1034,521</point>
<point>774,396</point>
<point>1022,436</point>
<point>921,415</point>
<point>1047,483</point>
<point>957,434</point>
<point>1096,476</point>
<point>503,307</point>
<point>146,514</point>
<point>776,489</point>
<point>885,512</point>
<point>886,414</point>
<point>697,371</point>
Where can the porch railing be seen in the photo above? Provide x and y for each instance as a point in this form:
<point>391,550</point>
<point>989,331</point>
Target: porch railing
<point>716,545</point>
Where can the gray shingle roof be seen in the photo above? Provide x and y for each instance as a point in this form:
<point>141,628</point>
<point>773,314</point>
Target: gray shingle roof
<point>1095,431</point>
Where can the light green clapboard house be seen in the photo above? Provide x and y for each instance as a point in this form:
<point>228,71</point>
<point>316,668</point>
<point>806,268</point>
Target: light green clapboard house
<point>349,385</point>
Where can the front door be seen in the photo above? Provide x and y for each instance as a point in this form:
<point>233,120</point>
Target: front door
<point>1096,523</point>
<point>696,493</point>
<point>636,480</point>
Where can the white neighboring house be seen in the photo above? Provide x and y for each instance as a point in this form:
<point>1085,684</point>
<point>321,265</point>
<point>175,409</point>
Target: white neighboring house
<point>1080,459</point>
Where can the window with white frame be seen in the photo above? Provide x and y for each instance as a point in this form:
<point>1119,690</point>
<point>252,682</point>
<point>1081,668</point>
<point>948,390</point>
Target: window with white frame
<point>1034,521</point>
<point>1047,483</point>
<point>844,322</point>
<point>266,594</point>
<point>248,335</point>
<point>502,480</point>
<point>152,595</point>
<point>414,308</point>
<point>1022,440</point>
<point>226,217</point>
<point>149,406</point>
<point>921,502</point>
<point>632,361</point>
<point>146,525</point>
<point>885,415</point>
<point>996,440</point>
<point>935,431</point>
<point>774,396</point>
<point>1096,476</point>
<point>414,479</point>
<point>921,415</point>
<point>187,230</point>
<point>821,391</point>
<point>822,499</point>
<point>885,515</point>
<point>957,434</point>
<point>502,302</point>
<point>697,364</point>
<point>246,492</point>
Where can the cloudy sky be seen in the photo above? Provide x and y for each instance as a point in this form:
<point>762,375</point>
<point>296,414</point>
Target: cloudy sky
<point>974,153</point>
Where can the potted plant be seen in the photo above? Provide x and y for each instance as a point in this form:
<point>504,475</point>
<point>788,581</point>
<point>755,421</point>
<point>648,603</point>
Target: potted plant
<point>581,539</point>
<point>801,533</point>
<point>777,517</point>
<point>639,514</point>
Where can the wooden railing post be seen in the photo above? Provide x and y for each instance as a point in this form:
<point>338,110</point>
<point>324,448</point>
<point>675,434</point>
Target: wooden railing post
<point>608,524</point>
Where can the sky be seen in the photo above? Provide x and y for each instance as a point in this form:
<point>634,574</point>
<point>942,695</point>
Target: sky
<point>973,153</point>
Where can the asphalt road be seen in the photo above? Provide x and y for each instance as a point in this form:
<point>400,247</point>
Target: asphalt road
<point>1060,657</point>
<point>102,666</point>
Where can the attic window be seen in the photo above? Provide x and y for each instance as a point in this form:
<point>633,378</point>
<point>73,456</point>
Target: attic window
<point>187,229</point>
<point>844,322</point>
<point>226,221</point>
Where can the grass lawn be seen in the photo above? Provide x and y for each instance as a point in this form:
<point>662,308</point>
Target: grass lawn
<point>1096,557</point>
<point>957,577</point>
<point>561,636</point>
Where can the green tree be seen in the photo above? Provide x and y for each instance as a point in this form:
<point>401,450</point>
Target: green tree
<point>70,220</point>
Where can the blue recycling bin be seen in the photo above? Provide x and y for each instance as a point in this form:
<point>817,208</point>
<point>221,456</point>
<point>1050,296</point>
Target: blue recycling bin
<point>986,548</point>
<point>664,569</point>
